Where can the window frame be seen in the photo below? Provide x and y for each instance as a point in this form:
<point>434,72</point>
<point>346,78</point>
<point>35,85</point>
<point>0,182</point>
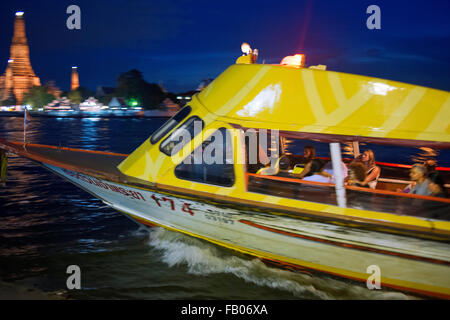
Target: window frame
<point>232,180</point>
<point>164,130</point>
<point>184,124</point>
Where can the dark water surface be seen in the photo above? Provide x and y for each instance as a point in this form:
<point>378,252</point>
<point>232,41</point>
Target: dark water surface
<point>47,224</point>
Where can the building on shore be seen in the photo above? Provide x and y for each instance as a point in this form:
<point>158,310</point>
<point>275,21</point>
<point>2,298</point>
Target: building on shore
<point>61,104</point>
<point>91,104</point>
<point>19,76</point>
<point>117,103</point>
<point>53,89</point>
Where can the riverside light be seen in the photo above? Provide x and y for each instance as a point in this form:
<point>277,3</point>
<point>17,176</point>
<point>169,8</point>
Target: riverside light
<point>133,102</point>
<point>296,61</point>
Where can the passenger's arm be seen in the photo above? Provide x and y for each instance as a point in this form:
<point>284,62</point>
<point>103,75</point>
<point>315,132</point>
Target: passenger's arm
<point>305,171</point>
<point>372,176</point>
<point>408,188</point>
<point>326,174</point>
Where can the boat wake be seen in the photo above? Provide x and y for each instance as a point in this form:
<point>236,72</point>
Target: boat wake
<point>202,258</point>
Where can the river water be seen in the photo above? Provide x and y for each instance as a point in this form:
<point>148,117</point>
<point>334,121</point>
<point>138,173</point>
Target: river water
<point>47,224</point>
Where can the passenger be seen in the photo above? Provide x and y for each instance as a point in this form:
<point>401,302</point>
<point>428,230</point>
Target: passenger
<point>372,170</point>
<point>436,185</point>
<point>301,163</point>
<point>418,175</point>
<point>357,174</point>
<point>314,172</point>
<point>309,153</point>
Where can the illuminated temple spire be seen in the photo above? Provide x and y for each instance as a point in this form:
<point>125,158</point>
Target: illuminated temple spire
<point>19,76</point>
<point>75,83</point>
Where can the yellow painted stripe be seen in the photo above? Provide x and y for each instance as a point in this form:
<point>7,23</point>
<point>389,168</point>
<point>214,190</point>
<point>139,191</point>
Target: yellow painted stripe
<point>336,87</point>
<point>421,116</point>
<point>400,113</point>
<point>346,107</point>
<point>329,101</point>
<point>152,167</point>
<point>441,121</point>
<point>272,199</point>
<point>312,95</point>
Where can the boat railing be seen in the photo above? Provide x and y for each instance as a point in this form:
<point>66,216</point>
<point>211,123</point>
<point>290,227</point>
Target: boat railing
<point>367,190</point>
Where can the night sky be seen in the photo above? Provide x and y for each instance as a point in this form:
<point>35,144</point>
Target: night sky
<point>179,43</point>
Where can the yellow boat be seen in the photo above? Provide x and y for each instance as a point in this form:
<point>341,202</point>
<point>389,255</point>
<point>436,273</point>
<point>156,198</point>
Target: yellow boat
<point>268,212</point>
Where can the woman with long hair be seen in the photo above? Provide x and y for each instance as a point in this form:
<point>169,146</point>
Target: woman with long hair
<point>357,174</point>
<point>372,170</point>
<point>309,153</point>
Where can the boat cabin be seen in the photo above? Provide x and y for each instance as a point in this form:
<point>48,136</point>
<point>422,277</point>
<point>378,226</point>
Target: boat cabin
<point>231,142</point>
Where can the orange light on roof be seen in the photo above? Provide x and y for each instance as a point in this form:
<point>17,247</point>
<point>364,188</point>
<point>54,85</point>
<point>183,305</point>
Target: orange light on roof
<point>296,61</point>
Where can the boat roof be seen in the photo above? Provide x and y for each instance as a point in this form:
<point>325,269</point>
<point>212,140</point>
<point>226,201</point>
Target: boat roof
<point>326,102</point>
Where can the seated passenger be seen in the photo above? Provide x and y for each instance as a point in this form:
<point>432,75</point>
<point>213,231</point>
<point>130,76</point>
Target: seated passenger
<point>314,172</point>
<point>309,153</point>
<point>357,174</point>
<point>436,185</point>
<point>418,174</point>
<point>372,170</point>
<point>291,161</point>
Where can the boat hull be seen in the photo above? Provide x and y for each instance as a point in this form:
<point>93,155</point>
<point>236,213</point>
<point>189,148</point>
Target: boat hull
<point>404,263</point>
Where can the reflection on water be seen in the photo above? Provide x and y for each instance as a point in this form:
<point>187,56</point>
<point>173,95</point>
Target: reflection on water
<point>91,129</point>
<point>47,224</point>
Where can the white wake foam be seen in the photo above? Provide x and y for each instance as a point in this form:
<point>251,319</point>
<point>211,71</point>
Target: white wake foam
<point>202,258</point>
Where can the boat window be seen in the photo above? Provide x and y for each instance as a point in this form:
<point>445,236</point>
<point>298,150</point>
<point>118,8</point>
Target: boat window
<point>211,162</point>
<point>181,136</point>
<point>170,124</point>
<point>301,169</point>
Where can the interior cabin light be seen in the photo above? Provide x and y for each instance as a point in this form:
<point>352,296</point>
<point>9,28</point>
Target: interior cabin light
<point>296,61</point>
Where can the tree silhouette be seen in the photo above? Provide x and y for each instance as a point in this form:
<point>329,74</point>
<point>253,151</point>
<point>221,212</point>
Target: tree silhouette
<point>132,87</point>
<point>38,97</point>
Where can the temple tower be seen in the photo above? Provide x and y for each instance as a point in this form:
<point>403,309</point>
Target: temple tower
<point>19,76</point>
<point>75,83</point>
